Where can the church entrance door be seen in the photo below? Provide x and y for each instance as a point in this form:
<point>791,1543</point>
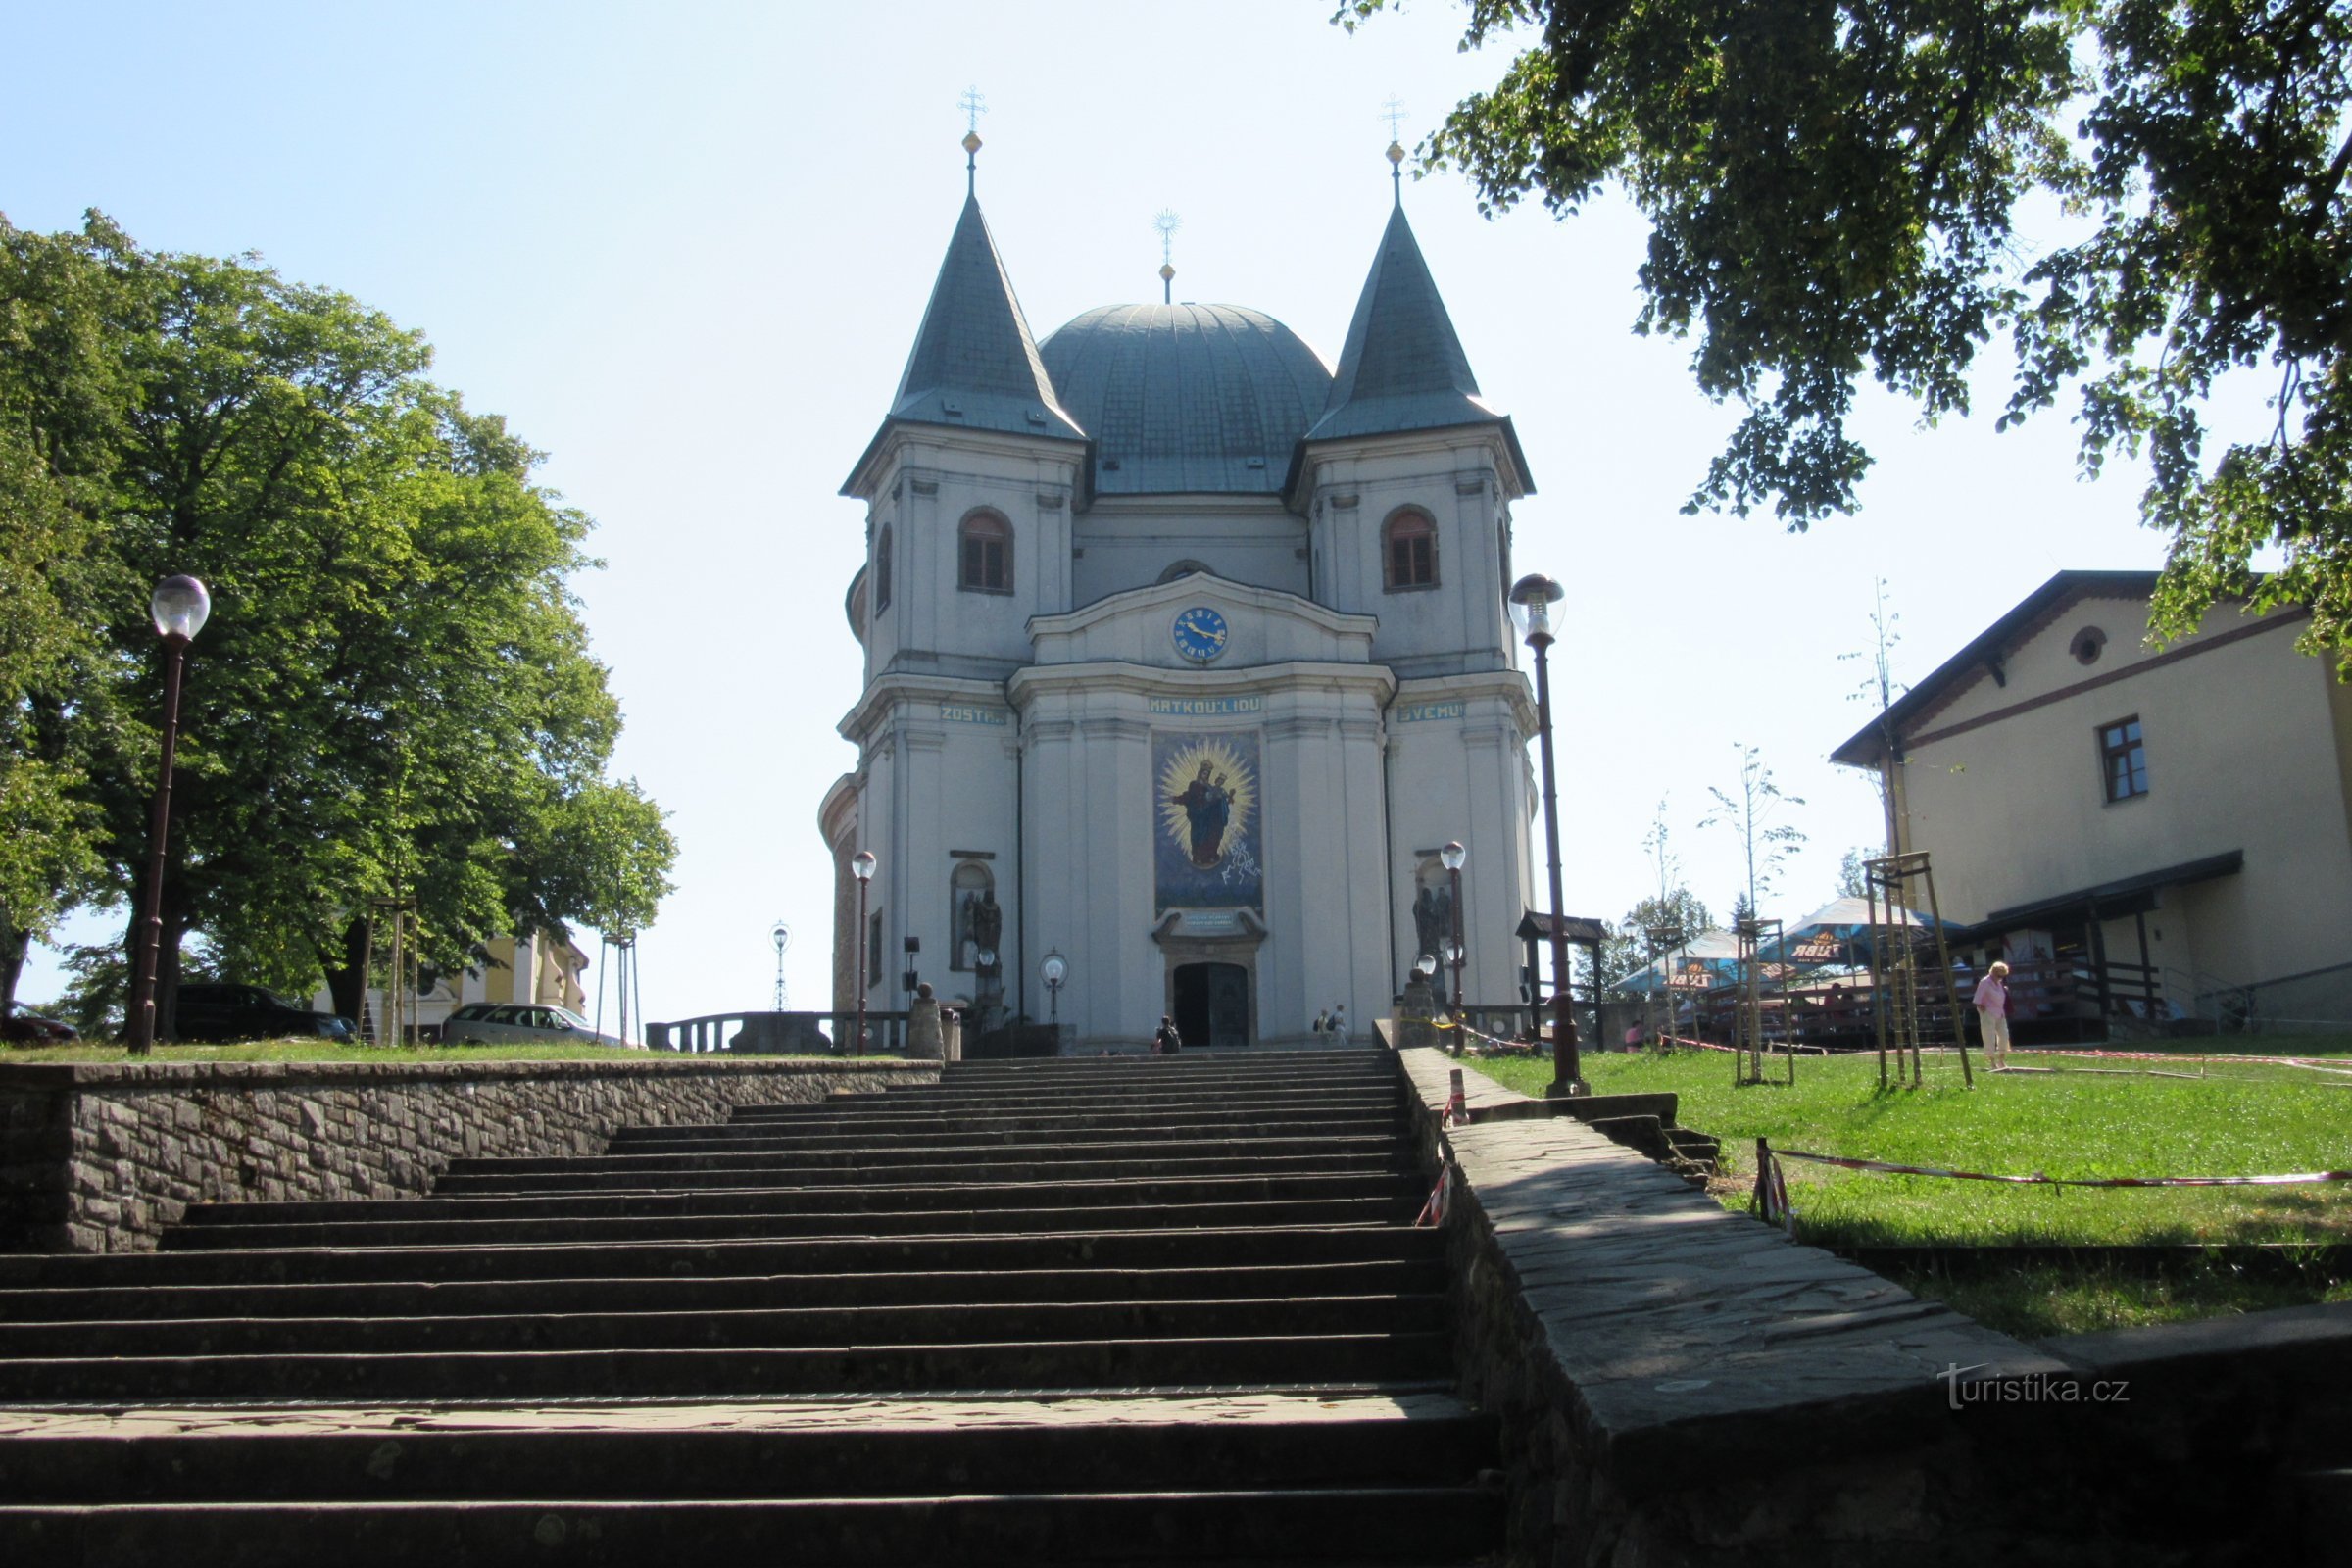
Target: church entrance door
<point>1213,1003</point>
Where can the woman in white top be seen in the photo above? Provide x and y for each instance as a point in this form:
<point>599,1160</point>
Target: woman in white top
<point>1992,1013</point>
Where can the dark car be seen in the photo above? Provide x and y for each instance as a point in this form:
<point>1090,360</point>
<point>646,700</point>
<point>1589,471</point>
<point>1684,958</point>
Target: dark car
<point>218,1011</point>
<point>21,1027</point>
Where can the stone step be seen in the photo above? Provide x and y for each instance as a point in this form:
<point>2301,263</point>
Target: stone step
<point>716,1293</point>
<point>821,1116</point>
<point>1240,1151</point>
<point>1426,1525</point>
<point>1082,1087</point>
<point>894,1131</point>
<point>1193,1060</point>
<point>1337,1360</point>
<point>890,1148</point>
<point>806,1449</point>
<point>833,1255</point>
<point>1272,1102</point>
<point>773,1326</point>
<point>782,1169</point>
<point>948,1216</point>
<point>783,1197</point>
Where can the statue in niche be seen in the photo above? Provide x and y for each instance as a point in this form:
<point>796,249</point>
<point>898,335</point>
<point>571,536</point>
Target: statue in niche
<point>1432,919</point>
<point>987,923</point>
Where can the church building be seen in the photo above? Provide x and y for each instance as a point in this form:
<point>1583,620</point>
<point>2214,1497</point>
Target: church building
<point>1186,653</point>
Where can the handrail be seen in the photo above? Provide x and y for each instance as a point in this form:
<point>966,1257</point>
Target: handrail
<point>777,1034</point>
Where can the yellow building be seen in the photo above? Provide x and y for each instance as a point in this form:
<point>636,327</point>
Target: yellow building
<point>2173,820</point>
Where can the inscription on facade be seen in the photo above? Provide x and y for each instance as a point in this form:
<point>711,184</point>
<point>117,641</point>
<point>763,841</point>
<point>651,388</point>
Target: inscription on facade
<point>958,713</point>
<point>1421,713</point>
<point>1202,707</point>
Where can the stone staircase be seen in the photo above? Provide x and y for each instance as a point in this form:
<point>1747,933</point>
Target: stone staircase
<point>1132,1310</point>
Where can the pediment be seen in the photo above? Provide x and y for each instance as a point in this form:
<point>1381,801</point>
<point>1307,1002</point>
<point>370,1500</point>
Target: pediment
<point>1155,625</point>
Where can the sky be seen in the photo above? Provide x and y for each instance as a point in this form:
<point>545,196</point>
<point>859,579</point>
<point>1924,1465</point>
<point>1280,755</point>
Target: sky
<point>684,249</point>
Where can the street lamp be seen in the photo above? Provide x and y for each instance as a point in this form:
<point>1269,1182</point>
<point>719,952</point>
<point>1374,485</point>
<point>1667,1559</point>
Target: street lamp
<point>986,984</point>
<point>1055,970</point>
<point>1532,598</point>
<point>180,606</point>
<point>1452,858</point>
<point>861,867</point>
<point>781,935</point>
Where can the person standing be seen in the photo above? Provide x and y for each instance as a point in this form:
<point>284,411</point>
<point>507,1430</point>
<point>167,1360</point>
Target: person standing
<point>1338,1023</point>
<point>1321,1026</point>
<point>1992,1015</point>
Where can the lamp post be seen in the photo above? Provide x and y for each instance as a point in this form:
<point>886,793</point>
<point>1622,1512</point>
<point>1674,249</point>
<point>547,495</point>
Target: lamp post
<point>180,606</point>
<point>985,980</point>
<point>1532,598</point>
<point>1452,858</point>
<point>861,867</point>
<point>1056,969</point>
<point>781,935</point>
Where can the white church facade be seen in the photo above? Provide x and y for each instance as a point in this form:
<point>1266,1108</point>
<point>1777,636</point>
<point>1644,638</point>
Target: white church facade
<point>1185,652</point>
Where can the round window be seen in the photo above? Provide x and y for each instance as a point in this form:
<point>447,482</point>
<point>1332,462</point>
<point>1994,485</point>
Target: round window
<point>2088,644</point>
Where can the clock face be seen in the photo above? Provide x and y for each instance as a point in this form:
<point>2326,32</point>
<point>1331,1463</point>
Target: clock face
<point>1200,634</point>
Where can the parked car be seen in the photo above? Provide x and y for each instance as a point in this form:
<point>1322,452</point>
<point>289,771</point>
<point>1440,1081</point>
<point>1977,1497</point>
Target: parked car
<point>22,1027</point>
<point>214,1010</point>
<point>493,1023</point>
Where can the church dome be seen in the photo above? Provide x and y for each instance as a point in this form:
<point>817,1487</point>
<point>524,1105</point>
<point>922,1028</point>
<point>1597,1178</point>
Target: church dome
<point>1187,398</point>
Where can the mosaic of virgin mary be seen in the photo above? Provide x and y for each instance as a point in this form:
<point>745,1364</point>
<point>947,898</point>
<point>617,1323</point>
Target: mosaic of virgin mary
<point>1206,788</point>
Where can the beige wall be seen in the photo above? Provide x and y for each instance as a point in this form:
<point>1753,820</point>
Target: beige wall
<point>2243,737</point>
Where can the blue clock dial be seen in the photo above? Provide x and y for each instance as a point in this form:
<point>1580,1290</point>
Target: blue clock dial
<point>1200,634</point>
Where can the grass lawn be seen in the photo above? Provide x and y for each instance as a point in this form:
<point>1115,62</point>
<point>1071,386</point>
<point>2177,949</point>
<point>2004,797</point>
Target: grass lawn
<point>335,1051</point>
<point>2240,1118</point>
<point>2243,1119</point>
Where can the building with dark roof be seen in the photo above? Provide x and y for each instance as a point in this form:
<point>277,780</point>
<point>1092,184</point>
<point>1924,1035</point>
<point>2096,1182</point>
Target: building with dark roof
<point>1184,652</point>
<point>2166,829</point>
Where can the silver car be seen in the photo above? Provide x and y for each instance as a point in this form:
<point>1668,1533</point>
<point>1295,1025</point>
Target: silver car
<point>497,1023</point>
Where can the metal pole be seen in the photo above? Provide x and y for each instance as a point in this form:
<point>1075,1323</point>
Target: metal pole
<point>859,1049</point>
<point>151,930</point>
<point>1566,1070</point>
<point>1455,873</point>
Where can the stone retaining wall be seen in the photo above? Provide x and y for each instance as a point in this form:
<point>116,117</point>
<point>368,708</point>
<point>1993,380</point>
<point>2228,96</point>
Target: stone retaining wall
<point>98,1157</point>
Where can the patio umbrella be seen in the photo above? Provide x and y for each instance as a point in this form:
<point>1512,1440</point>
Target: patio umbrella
<point>1838,932</point>
<point>1707,961</point>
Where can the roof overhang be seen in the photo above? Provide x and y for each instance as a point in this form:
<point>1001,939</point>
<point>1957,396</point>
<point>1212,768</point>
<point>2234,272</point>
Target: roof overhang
<point>2130,895</point>
<point>1536,926</point>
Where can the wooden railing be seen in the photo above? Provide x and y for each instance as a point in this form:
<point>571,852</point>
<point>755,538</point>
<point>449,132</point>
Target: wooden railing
<point>778,1034</point>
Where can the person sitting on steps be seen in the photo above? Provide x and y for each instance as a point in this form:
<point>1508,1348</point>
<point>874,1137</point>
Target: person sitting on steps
<point>1165,1041</point>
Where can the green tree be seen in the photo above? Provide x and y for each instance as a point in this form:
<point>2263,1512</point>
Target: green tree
<point>1833,187</point>
<point>1854,881</point>
<point>394,697</point>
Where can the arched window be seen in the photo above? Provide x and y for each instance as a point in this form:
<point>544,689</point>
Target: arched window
<point>882,573</point>
<point>1185,568</point>
<point>1409,547</point>
<point>985,544</point>
<point>972,915</point>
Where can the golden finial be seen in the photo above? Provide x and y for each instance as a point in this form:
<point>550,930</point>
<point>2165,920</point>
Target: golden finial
<point>1393,113</point>
<point>973,106</point>
<point>1167,222</point>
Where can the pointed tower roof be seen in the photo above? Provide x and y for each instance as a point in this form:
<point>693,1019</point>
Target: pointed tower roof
<point>1403,368</point>
<point>974,365</point>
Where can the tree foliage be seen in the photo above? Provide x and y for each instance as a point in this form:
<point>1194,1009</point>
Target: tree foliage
<point>395,696</point>
<point>1834,188</point>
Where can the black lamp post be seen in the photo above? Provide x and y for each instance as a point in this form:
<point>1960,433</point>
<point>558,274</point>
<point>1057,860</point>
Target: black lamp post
<point>1055,970</point>
<point>180,606</point>
<point>1532,598</point>
<point>1452,858</point>
<point>861,867</point>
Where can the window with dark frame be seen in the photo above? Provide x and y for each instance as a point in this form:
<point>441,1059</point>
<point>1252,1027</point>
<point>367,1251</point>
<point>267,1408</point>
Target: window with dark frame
<point>986,547</point>
<point>873,948</point>
<point>882,573</point>
<point>1411,549</point>
<point>2123,760</point>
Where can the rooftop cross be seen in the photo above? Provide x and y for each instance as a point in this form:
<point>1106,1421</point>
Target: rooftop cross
<point>1167,222</point>
<point>1393,113</point>
<point>974,107</point>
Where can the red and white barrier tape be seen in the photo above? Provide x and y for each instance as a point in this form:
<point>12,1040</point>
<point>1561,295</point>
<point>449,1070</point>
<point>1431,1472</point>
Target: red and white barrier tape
<point>1441,1198</point>
<point>2040,1180</point>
